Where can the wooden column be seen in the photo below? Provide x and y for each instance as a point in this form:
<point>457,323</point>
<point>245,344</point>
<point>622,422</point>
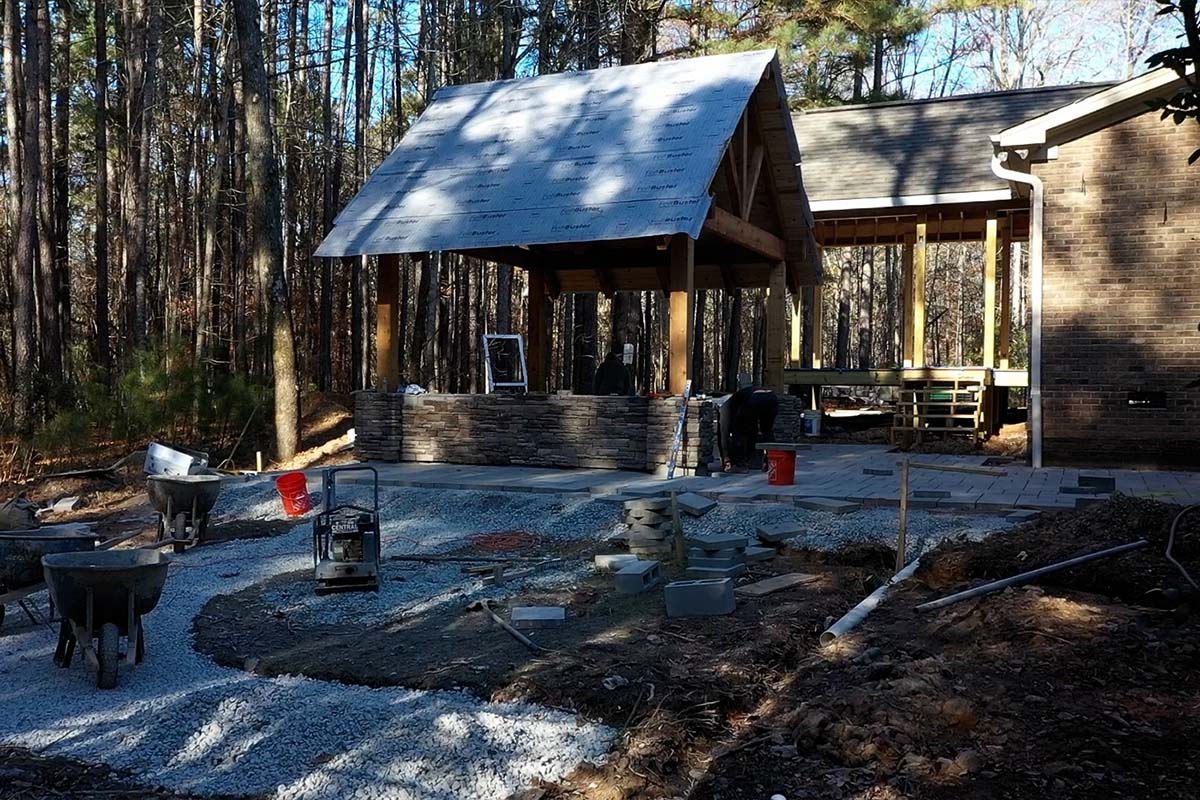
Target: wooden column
<point>818,325</point>
<point>682,314</point>
<point>906,300</point>
<point>991,241</point>
<point>775,344</point>
<point>918,296</point>
<point>387,323</point>
<point>535,356</point>
<point>1005,304</point>
<point>796,353</point>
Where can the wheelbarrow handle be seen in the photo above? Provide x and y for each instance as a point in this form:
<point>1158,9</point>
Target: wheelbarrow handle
<point>331,485</point>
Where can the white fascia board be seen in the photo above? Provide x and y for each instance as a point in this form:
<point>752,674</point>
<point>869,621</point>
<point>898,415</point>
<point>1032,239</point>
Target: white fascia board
<point>1040,130</point>
<point>910,200</point>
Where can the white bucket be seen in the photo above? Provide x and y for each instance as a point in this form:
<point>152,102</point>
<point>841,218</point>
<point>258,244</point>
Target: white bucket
<point>811,421</point>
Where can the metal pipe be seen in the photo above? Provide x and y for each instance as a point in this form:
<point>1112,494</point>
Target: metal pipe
<point>1026,577</point>
<point>854,617</point>
<point>1036,215</point>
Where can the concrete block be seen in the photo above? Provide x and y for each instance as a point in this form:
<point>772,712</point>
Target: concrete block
<point>716,541</point>
<point>700,598</point>
<point>651,531</point>
<point>640,541</point>
<point>526,617</point>
<point>716,572</point>
<point>827,504</point>
<point>776,534</point>
<point>869,471</point>
<point>638,577</point>
<point>647,517</point>
<point>726,552</point>
<point>931,494</point>
<point>614,562</point>
<point>1080,490</point>
<point>775,584</point>
<point>1023,515</point>
<point>643,504</point>
<point>694,504</point>
<point>757,554</point>
<point>649,493</point>
<point>702,562</point>
<point>615,499</point>
<point>1100,482</point>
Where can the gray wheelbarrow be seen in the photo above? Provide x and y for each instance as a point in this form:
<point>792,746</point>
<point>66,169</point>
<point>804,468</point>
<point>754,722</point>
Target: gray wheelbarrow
<point>21,558</point>
<point>101,597</point>
<point>183,503</point>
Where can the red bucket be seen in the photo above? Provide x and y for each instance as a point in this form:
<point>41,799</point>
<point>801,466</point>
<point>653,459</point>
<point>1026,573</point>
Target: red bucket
<point>293,491</point>
<point>781,467</point>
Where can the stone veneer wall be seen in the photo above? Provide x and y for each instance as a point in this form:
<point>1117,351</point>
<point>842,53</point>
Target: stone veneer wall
<point>531,430</point>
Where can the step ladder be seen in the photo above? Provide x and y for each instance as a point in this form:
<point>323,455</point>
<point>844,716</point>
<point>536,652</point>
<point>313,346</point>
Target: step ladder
<point>943,406</point>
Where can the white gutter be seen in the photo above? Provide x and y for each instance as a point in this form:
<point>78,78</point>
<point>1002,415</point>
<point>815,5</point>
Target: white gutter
<point>1036,214</point>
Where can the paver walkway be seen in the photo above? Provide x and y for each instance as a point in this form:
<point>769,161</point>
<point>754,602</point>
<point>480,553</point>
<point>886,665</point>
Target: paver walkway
<point>826,470</point>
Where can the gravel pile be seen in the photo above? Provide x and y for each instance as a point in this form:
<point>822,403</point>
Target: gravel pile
<point>182,722</point>
<point>826,531</point>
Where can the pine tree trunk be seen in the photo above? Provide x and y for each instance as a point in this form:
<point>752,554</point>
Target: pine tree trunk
<point>842,356</point>
<point>264,206</point>
<point>62,213</point>
<point>22,155</point>
<point>103,345</point>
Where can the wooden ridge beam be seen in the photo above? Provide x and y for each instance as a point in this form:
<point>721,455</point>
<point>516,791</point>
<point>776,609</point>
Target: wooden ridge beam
<point>733,228</point>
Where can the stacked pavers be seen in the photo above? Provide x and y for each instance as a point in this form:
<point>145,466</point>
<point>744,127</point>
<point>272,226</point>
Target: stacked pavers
<point>716,555</point>
<point>649,522</point>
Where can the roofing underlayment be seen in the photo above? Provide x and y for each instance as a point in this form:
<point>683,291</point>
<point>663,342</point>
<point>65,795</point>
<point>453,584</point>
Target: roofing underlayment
<point>604,154</point>
<point>914,149</point>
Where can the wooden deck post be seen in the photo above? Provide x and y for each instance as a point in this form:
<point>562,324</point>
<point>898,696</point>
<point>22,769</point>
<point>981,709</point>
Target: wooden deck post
<point>918,295</point>
<point>796,351</point>
<point>1005,304</point>
<point>990,244</point>
<point>387,323</point>
<point>818,325</point>
<point>535,356</point>
<point>906,300</point>
<point>775,346</point>
<point>683,299</point>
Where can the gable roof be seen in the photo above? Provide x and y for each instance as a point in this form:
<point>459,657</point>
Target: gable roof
<point>910,153</point>
<point>1094,112</point>
<point>607,154</point>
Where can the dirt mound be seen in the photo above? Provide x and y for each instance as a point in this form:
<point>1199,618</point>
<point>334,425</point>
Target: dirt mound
<point>1140,576</point>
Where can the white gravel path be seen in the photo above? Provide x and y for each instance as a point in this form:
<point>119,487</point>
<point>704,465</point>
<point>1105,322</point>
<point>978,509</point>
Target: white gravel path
<point>182,722</point>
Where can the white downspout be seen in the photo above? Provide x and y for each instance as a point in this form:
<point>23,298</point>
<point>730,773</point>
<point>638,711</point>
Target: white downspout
<point>1036,209</point>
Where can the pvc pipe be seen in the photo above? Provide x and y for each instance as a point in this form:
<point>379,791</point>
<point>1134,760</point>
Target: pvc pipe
<point>1026,577</point>
<point>1036,215</point>
<point>856,615</point>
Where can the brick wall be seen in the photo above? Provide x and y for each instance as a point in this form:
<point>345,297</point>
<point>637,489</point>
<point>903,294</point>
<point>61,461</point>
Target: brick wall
<point>1122,296</point>
<point>531,430</point>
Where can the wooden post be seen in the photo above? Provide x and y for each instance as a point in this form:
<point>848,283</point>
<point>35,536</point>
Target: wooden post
<point>796,353</point>
<point>387,323</point>
<point>1005,304</point>
<point>776,295</point>
<point>906,299</point>
<point>990,243</point>
<point>918,306</point>
<point>818,325</point>
<point>683,299</point>
<point>535,357</point>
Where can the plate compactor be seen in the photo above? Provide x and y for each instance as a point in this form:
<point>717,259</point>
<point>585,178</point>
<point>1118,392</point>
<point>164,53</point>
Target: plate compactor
<point>346,546</point>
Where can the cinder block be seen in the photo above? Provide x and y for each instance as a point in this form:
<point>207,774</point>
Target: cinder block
<point>1100,482</point>
<point>827,504</point>
<point>614,499</point>
<point>776,534</point>
<point>714,563</point>
<point>716,572</point>
<point>654,531</point>
<point>614,562</point>
<point>728,552</point>
<point>716,541</point>
<point>700,598</point>
<point>638,577</point>
<point>646,493</point>
<point>757,554</point>
<point>694,504</point>
<point>526,617</point>
<point>655,504</point>
<point>646,517</point>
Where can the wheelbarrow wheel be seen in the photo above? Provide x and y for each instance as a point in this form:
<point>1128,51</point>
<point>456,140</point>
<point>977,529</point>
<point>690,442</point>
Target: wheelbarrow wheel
<point>108,653</point>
